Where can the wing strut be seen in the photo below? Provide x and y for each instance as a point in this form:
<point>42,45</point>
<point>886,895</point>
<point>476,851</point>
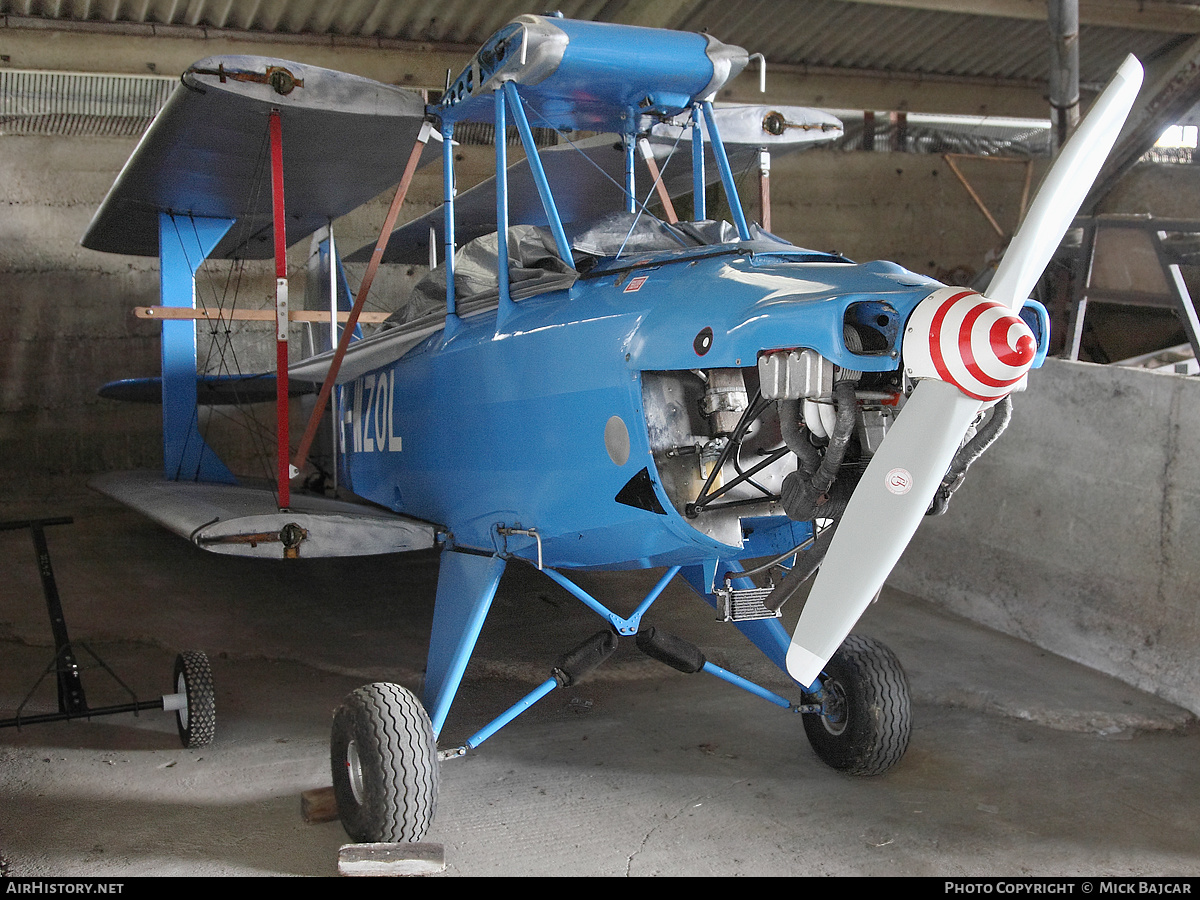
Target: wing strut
<point>663,195</point>
<point>389,222</point>
<point>281,310</point>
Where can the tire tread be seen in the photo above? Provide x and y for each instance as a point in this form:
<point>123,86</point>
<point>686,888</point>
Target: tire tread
<point>399,758</point>
<point>201,728</point>
<point>880,717</point>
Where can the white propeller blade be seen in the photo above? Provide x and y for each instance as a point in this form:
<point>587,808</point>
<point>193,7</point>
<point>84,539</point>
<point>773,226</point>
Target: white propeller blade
<point>879,521</point>
<point>1066,185</point>
<point>902,478</point>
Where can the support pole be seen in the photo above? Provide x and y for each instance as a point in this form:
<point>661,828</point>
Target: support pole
<point>449,189</point>
<point>511,713</point>
<point>538,172</point>
<point>1063,21</point>
<point>731,194</point>
<point>1184,306</point>
<point>699,201</point>
<point>310,432</point>
<point>630,175</point>
<point>764,187</point>
<point>281,312</point>
<point>664,196</point>
<point>502,205</point>
<point>335,419</point>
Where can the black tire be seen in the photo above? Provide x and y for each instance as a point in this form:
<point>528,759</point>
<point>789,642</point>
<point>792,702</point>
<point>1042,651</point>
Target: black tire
<point>197,721</point>
<point>866,718</point>
<point>384,762</point>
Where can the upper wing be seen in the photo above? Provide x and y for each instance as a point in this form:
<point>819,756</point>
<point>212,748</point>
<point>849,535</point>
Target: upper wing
<point>588,176</point>
<point>345,140</point>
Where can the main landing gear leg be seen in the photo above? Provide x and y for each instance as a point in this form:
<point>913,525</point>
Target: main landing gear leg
<point>383,749</point>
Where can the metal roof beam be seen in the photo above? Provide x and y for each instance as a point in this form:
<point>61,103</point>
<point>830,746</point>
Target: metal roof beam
<point>1171,89</point>
<point>1148,15</point>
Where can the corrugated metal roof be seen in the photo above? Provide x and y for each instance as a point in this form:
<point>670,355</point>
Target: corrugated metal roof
<point>858,36</point>
<point>833,34</point>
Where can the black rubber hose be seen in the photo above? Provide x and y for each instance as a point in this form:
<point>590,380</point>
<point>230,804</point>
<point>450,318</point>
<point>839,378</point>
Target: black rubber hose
<point>802,495</point>
<point>805,567</point>
<point>971,451</point>
<point>795,436</point>
<point>984,438</point>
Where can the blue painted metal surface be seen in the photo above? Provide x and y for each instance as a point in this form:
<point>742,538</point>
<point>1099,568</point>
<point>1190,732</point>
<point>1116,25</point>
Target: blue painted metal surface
<point>591,75</point>
<point>466,586</point>
<point>532,398</point>
<point>746,685</point>
<point>184,242</point>
<point>622,624</point>
<point>511,713</point>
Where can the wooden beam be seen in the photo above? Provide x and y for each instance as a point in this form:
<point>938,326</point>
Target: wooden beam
<point>251,315</point>
<point>382,860</point>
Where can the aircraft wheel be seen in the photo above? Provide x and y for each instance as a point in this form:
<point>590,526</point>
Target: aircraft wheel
<point>866,719</point>
<point>197,720</point>
<point>385,767</point>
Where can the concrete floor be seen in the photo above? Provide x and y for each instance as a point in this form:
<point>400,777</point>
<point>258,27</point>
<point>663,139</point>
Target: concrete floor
<point>1021,763</point>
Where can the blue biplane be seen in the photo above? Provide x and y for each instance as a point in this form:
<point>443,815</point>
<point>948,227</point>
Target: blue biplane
<point>578,384</point>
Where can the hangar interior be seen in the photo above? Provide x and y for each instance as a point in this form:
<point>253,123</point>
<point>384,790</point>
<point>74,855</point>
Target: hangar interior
<point>1069,542</point>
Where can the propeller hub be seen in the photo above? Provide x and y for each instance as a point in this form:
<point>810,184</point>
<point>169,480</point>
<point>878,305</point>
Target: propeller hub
<point>963,338</point>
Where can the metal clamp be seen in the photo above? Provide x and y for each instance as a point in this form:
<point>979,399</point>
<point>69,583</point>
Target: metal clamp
<point>504,531</point>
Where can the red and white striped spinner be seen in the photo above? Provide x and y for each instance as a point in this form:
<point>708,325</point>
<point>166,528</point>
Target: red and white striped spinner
<point>976,344</point>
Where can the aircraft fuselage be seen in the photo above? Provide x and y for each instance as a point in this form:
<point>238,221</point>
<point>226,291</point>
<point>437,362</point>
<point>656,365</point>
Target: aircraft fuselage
<point>487,426</point>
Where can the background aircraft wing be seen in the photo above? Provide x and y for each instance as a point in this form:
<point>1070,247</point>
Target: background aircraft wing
<point>345,140</point>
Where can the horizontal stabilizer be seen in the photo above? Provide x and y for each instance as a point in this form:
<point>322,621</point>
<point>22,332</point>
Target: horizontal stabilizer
<point>345,140</point>
<point>588,176</point>
<point>246,521</point>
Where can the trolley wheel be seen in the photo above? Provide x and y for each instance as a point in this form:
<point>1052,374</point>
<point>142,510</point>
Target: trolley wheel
<point>383,757</point>
<point>197,720</point>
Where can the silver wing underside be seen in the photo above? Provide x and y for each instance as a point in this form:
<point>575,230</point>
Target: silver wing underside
<point>346,139</point>
<point>239,520</point>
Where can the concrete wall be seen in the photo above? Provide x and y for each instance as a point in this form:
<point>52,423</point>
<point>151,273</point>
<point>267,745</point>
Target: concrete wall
<point>904,207</point>
<point>1077,531</point>
<point>64,330</point>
